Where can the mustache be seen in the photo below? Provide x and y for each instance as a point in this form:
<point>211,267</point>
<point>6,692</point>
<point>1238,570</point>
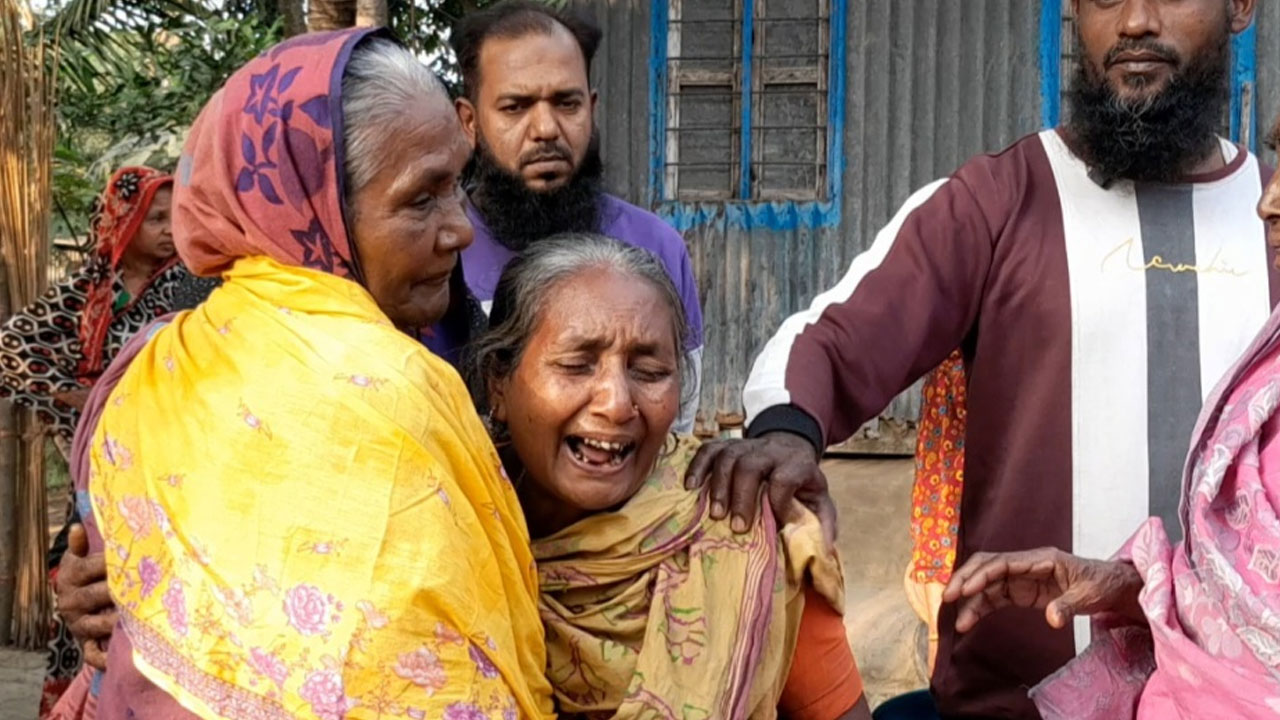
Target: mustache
<point>1147,45</point>
<point>547,152</point>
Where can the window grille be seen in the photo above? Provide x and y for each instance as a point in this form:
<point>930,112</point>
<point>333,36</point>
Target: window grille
<point>760,62</point>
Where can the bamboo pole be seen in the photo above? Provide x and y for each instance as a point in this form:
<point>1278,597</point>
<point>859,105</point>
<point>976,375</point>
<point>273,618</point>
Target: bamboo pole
<point>27,125</point>
<point>8,499</point>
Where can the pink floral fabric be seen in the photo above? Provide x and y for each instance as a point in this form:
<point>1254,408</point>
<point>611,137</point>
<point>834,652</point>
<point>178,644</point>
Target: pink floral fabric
<point>1212,645</point>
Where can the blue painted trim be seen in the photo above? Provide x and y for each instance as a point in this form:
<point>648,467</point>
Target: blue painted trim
<point>836,99</point>
<point>1050,62</point>
<point>659,22</point>
<point>740,214</point>
<point>748,98</point>
<point>775,216</point>
<point>1244,70</point>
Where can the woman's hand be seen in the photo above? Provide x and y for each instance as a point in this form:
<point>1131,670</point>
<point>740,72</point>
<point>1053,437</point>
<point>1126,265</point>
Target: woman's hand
<point>784,463</point>
<point>75,398</point>
<point>84,600</point>
<point>1061,584</point>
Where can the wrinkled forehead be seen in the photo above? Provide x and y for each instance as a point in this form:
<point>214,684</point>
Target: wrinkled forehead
<point>599,307</point>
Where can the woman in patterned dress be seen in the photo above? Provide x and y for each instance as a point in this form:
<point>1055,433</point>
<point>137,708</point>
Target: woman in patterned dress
<point>322,183</point>
<point>935,496</point>
<point>52,351</point>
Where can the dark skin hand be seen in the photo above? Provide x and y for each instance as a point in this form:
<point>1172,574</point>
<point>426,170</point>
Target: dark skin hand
<point>84,600</point>
<point>75,398</point>
<point>1059,583</point>
<point>785,465</point>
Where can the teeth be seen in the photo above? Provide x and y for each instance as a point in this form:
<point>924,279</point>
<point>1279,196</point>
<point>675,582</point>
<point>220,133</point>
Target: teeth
<point>602,445</point>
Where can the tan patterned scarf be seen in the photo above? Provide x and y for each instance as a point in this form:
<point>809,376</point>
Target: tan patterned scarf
<point>657,611</point>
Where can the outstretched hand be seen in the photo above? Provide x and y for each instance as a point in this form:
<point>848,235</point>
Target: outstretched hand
<point>1059,583</point>
<point>786,465</point>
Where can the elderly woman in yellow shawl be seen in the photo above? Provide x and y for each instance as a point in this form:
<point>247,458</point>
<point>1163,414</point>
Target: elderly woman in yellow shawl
<point>302,514</point>
<point>652,608</point>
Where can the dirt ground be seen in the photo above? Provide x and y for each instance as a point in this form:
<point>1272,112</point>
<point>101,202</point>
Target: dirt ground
<point>20,677</point>
<point>874,498</point>
<point>889,641</point>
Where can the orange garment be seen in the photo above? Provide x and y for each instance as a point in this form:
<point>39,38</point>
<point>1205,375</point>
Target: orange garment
<point>824,682</point>
<point>935,497</point>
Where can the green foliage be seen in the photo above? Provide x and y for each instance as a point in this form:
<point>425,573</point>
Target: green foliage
<point>132,81</point>
<point>424,25</point>
<point>133,74</point>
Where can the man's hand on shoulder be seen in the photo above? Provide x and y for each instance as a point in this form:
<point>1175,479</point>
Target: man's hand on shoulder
<point>786,464</point>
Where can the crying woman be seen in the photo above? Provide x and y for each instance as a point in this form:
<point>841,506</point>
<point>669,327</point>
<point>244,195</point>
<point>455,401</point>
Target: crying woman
<point>651,607</point>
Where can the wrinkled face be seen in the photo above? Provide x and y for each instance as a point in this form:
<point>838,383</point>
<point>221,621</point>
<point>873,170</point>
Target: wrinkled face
<point>407,221</point>
<point>154,239</point>
<point>1269,206</point>
<point>1139,46</point>
<point>593,399</point>
<point>533,106</point>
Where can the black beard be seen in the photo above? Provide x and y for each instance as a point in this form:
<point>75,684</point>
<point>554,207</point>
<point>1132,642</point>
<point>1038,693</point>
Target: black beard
<point>518,216</point>
<point>1159,139</point>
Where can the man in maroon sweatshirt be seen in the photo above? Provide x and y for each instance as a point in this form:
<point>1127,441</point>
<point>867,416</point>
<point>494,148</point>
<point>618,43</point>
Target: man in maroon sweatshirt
<point>1099,278</point>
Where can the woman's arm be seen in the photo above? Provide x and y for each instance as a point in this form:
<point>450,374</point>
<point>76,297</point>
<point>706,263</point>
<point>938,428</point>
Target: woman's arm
<point>824,682</point>
<point>40,351</point>
<point>861,711</point>
<point>73,398</point>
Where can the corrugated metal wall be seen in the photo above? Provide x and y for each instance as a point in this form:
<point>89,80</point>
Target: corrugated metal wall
<point>1268,70</point>
<point>930,83</point>
<point>621,75</point>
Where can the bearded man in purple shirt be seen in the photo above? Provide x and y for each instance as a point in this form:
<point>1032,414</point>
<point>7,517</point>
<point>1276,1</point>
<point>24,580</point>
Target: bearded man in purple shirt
<point>529,108</point>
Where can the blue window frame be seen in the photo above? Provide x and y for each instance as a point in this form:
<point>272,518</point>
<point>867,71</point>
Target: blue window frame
<point>747,112</point>
<point>1057,53</point>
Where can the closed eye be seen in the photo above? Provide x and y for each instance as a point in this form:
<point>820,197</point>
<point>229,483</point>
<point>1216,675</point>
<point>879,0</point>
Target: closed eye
<point>574,367</point>
<point>650,374</point>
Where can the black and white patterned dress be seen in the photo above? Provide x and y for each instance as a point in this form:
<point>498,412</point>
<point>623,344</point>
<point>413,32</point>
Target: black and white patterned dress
<point>40,349</point>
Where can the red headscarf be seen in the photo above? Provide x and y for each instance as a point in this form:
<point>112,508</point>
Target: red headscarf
<point>117,214</point>
<point>261,172</point>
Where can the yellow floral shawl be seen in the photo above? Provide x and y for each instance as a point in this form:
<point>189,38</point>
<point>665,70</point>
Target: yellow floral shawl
<point>304,518</point>
<point>657,612</point>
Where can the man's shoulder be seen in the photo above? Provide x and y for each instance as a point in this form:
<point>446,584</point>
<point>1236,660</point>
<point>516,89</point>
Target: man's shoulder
<point>619,213</point>
<point>1028,151</point>
<point>1001,181</point>
<point>636,226</point>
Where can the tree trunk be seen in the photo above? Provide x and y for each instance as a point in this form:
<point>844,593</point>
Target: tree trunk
<point>295,18</point>
<point>330,14</point>
<point>371,13</point>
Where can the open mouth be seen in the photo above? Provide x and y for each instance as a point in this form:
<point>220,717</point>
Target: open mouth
<point>599,453</point>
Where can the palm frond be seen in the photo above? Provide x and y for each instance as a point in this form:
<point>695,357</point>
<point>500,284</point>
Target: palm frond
<point>85,16</point>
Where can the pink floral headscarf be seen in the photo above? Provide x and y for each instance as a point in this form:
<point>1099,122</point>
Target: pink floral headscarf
<point>261,173</point>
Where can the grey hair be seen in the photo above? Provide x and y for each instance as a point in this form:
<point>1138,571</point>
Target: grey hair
<point>381,80</point>
<point>529,279</point>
